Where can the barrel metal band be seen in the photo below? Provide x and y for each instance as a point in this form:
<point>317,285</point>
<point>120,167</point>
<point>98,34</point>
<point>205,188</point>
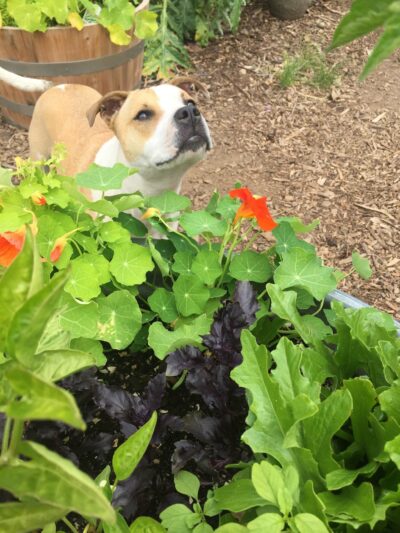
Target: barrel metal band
<point>72,68</point>
<point>23,109</point>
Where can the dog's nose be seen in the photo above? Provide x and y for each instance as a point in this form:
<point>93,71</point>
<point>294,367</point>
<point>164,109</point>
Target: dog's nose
<point>187,114</point>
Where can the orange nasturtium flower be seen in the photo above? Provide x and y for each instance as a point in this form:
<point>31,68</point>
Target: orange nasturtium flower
<point>150,213</point>
<point>59,245</point>
<point>253,207</point>
<point>11,243</point>
<point>38,198</point>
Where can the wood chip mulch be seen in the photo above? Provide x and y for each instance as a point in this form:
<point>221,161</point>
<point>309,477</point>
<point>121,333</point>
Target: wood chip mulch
<point>329,154</point>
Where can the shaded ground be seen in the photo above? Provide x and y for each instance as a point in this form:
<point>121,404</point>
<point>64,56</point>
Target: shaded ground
<point>330,154</point>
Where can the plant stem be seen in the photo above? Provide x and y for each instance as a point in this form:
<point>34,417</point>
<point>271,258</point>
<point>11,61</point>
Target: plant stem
<point>230,252</point>
<point>321,305</point>
<point>6,436</point>
<point>225,240</point>
<point>69,524</point>
<point>16,437</point>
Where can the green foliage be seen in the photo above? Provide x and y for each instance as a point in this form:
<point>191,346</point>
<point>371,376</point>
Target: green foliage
<point>181,20</point>
<point>117,16</point>
<point>364,17</point>
<point>323,421</point>
<point>309,67</point>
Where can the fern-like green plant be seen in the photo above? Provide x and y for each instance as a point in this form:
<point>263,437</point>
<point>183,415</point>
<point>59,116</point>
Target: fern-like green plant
<point>187,20</point>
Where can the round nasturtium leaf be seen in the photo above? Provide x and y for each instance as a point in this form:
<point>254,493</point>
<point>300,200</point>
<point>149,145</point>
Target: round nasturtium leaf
<point>200,222</point>
<point>83,282</point>
<point>182,263</point>
<point>98,262</point>
<point>119,319</point>
<point>190,294</point>
<point>206,266</point>
<point>250,266</point>
<point>162,302</point>
<point>130,263</point>
<point>168,202</point>
<point>113,232</point>
<point>301,268</point>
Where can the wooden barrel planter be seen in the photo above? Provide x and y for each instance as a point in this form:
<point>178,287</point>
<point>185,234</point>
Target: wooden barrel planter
<point>65,55</point>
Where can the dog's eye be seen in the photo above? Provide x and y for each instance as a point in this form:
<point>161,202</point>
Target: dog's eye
<point>144,114</point>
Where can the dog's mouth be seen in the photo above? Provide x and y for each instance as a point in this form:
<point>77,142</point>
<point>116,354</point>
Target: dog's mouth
<point>194,144</point>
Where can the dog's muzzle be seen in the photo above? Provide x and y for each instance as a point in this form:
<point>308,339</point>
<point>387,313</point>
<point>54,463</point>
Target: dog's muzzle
<point>192,134</point>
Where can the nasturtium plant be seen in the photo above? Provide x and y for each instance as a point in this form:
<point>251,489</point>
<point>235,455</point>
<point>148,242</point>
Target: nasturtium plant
<point>194,379</point>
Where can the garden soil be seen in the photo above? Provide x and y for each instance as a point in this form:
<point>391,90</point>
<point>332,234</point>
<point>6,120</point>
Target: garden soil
<point>331,154</point>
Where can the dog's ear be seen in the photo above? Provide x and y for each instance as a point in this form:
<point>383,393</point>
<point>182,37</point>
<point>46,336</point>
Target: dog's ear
<point>108,106</point>
<point>188,84</point>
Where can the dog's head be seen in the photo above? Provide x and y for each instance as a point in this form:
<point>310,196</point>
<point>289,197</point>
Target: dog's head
<point>159,127</point>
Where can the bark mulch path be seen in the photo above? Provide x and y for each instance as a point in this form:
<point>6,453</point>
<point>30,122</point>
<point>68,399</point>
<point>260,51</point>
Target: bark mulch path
<point>330,154</point>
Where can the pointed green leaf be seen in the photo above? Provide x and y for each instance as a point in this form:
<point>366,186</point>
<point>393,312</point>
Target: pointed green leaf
<point>158,259</point>
<point>128,455</point>
<point>267,522</point>
<point>237,496</point>
<point>65,485</point>
<point>364,17</point>
<point>187,484</point>
<point>31,319</point>
<point>362,265</point>
<point>54,365</point>
<point>174,518</point>
<point>19,517</point>
<point>306,522</point>
<point>40,400</point>
<point>145,524</point>
<point>269,483</point>
<point>22,279</point>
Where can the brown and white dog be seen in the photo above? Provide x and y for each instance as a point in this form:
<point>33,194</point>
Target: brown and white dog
<point>159,131</point>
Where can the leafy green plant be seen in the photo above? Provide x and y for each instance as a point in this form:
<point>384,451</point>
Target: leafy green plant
<point>213,318</point>
<point>364,17</point>
<point>308,67</point>
<point>117,16</point>
<point>187,20</point>
<point>47,486</point>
